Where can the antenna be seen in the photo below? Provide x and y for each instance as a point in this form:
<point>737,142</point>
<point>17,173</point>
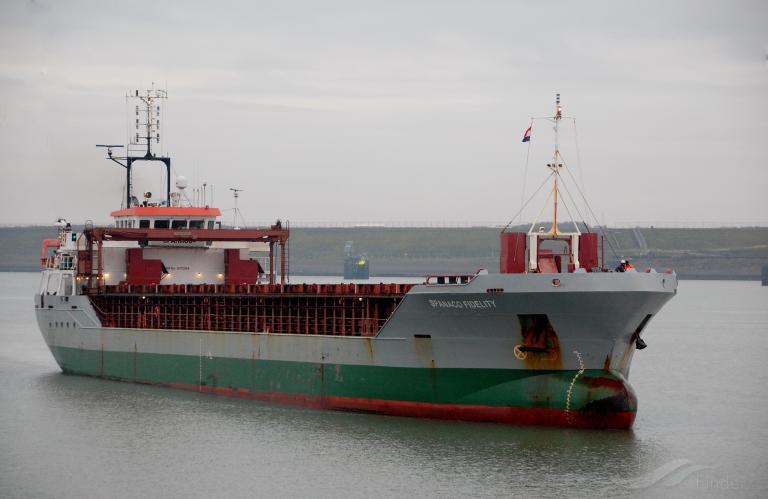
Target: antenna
<point>146,129</point>
<point>236,194</point>
<point>147,119</point>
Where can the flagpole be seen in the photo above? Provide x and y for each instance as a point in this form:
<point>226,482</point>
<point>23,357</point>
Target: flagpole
<point>525,170</point>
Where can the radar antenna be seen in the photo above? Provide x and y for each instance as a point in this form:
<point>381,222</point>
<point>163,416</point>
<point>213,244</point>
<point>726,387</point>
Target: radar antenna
<point>109,148</point>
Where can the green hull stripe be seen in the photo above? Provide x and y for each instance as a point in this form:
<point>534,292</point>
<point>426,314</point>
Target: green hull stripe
<point>488,387</point>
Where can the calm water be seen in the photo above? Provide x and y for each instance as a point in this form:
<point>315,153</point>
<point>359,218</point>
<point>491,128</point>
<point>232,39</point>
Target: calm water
<point>701,430</point>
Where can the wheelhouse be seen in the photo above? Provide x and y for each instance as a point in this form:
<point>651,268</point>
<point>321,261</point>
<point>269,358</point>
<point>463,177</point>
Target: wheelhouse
<point>163,217</point>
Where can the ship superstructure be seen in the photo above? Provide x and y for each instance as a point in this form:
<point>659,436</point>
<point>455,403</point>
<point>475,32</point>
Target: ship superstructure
<point>170,296</point>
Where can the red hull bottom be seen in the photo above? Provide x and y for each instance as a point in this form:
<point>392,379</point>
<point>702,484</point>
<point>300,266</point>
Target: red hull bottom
<point>478,413</point>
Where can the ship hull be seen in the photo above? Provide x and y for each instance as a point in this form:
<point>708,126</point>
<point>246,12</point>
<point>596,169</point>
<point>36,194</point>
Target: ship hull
<point>447,352</point>
<point>513,396</point>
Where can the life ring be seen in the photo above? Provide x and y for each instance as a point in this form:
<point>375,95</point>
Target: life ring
<point>520,354</point>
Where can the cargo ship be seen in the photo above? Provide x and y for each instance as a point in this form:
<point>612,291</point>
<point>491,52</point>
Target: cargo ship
<point>168,295</point>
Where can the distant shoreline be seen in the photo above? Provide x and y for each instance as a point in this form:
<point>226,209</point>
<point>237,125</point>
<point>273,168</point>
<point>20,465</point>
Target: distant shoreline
<point>735,254</point>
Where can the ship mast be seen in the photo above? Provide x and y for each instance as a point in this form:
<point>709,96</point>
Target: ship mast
<point>556,164</point>
<point>146,130</point>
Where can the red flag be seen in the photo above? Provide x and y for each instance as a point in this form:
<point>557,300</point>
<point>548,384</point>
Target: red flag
<point>527,136</point>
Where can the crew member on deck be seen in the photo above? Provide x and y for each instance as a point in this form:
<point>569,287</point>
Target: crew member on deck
<point>624,266</point>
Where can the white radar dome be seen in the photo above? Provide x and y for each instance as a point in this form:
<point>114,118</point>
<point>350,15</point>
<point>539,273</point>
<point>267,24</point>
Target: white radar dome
<point>181,182</point>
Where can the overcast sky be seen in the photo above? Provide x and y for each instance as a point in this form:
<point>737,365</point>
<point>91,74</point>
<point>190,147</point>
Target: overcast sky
<point>391,111</point>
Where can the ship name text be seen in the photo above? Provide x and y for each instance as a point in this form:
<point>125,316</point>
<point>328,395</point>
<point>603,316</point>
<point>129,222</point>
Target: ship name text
<point>470,304</point>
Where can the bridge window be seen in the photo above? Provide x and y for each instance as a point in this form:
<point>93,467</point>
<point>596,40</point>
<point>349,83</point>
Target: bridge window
<point>144,224</point>
<point>66,262</point>
<point>210,224</point>
<point>196,224</point>
<point>161,224</point>
<point>178,224</point>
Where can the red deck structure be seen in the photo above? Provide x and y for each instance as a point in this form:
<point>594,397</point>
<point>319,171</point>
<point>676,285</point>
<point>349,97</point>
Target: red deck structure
<point>324,309</point>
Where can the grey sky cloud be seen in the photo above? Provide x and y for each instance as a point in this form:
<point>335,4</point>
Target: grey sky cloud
<point>391,111</point>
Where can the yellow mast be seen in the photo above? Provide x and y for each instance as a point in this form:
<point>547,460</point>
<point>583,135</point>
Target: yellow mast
<point>554,220</point>
<point>556,164</point>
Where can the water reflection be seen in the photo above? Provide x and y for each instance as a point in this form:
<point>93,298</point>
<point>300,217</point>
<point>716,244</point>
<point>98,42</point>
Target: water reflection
<point>463,456</point>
